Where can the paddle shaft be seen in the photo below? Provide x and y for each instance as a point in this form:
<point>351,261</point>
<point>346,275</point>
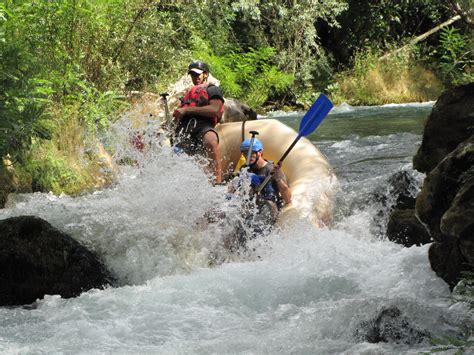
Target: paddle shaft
<point>310,121</point>
<point>289,150</point>
<point>249,153</point>
<point>167,112</point>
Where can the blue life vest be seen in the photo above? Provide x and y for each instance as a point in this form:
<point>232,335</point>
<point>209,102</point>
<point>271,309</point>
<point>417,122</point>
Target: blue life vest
<point>268,192</point>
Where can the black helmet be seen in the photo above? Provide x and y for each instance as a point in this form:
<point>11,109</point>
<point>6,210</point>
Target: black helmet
<point>198,67</point>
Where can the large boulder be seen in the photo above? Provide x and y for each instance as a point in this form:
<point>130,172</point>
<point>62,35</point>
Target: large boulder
<point>446,206</point>
<point>451,122</point>
<point>448,188</point>
<point>236,111</point>
<point>36,259</point>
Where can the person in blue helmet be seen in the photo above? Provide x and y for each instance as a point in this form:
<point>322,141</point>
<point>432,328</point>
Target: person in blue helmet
<point>258,215</point>
<point>277,190</point>
<point>269,201</point>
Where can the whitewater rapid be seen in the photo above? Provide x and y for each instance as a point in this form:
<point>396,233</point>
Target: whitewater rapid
<point>297,291</point>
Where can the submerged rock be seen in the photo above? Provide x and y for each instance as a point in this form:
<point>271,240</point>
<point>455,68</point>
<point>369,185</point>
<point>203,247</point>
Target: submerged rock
<point>36,259</point>
<point>400,191</point>
<point>397,193</point>
<point>390,326</point>
<point>404,228</point>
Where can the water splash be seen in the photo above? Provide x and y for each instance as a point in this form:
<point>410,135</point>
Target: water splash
<point>297,290</point>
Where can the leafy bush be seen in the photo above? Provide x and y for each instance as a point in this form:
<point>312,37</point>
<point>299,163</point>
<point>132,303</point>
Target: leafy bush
<point>22,98</point>
<point>456,56</point>
<point>84,55</point>
<point>252,76</point>
<point>94,108</point>
<point>67,162</point>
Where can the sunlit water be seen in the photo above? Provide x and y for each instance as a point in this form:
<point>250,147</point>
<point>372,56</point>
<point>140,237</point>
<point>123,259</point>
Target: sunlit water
<point>299,290</point>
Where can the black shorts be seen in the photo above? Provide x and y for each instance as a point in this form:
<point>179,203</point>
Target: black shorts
<point>190,131</point>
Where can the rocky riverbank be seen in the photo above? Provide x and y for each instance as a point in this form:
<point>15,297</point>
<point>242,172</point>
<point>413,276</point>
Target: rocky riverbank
<point>443,212</point>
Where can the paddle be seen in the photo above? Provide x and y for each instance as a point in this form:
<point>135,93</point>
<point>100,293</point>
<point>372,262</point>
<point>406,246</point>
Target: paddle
<point>249,153</point>
<point>310,121</point>
<point>167,112</point>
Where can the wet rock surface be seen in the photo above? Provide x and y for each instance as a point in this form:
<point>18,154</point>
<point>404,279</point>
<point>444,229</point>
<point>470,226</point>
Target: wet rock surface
<point>390,326</point>
<point>445,204</point>
<point>404,228</point>
<point>451,122</point>
<point>36,260</point>
<point>398,193</point>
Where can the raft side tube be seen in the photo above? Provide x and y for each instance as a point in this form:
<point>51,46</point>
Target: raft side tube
<point>308,172</point>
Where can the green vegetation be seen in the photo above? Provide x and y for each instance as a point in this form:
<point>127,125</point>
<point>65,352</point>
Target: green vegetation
<point>252,76</point>
<point>463,293</point>
<point>456,56</point>
<point>372,81</point>
<point>66,66</point>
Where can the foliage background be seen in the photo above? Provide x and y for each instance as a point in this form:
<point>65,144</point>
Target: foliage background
<point>66,66</point>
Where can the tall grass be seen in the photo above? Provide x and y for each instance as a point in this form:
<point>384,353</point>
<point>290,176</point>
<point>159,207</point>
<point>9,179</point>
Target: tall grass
<point>70,162</point>
<point>397,79</point>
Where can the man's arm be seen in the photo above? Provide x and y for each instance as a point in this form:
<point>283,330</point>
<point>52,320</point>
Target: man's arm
<point>284,191</point>
<point>280,179</point>
<point>211,110</point>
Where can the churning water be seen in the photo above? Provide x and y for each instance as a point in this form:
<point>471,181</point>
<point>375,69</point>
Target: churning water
<point>299,290</point>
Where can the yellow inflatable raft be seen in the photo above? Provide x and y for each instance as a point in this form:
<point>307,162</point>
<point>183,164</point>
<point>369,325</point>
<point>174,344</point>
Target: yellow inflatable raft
<point>308,173</point>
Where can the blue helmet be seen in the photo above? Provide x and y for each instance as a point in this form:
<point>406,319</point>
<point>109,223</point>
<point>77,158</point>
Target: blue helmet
<point>257,145</point>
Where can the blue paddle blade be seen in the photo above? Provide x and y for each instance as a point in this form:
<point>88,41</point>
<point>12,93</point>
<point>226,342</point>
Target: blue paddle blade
<point>315,115</point>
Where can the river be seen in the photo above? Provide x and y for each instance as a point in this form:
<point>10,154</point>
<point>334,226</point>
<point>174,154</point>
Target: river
<point>300,290</point>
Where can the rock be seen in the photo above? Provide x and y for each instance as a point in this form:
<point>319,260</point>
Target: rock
<point>390,326</point>
<point>458,220</point>
<point>450,182</point>
<point>236,111</point>
<point>451,122</point>
<point>398,192</point>
<point>448,262</point>
<point>404,228</point>
<point>36,259</point>
<point>446,205</point>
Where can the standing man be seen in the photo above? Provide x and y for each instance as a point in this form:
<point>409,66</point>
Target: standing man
<point>200,111</point>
